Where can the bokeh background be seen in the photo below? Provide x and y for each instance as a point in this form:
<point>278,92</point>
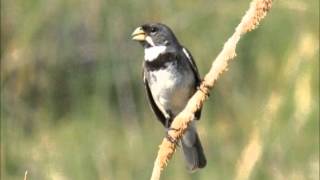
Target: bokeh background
<point>73,104</point>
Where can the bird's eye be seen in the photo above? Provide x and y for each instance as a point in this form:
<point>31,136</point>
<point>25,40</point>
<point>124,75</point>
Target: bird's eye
<point>153,29</point>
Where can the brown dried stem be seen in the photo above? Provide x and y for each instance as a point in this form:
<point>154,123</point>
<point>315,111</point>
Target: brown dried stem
<point>256,12</point>
<point>26,175</point>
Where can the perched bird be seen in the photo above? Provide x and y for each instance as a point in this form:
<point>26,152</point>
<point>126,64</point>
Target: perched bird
<point>170,77</point>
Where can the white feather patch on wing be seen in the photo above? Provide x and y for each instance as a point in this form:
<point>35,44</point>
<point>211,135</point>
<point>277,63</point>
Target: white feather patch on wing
<point>186,53</point>
<point>153,52</point>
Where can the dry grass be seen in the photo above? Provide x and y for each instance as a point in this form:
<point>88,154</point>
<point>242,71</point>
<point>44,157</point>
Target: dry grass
<point>26,175</point>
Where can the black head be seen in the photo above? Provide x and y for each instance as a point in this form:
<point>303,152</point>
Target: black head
<point>155,34</point>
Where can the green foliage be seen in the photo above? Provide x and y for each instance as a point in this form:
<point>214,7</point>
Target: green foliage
<point>73,104</point>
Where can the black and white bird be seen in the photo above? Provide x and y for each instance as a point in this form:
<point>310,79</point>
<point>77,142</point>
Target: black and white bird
<point>170,77</point>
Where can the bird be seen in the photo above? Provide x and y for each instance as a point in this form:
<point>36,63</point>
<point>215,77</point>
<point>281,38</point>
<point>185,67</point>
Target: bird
<point>170,77</point>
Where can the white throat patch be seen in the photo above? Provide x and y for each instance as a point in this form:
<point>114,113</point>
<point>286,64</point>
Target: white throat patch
<point>153,52</point>
<point>149,40</point>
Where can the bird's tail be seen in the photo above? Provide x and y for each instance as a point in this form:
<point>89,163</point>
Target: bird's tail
<point>192,149</point>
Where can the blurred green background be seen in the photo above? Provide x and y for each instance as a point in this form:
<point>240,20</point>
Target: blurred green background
<point>73,104</point>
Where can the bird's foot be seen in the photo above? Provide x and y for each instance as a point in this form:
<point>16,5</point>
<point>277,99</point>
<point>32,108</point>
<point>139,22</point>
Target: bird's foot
<point>169,138</point>
<point>171,129</point>
<point>204,89</point>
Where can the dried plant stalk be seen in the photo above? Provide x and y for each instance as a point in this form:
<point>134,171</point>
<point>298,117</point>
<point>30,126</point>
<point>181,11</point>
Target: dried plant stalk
<point>256,12</point>
<point>26,175</point>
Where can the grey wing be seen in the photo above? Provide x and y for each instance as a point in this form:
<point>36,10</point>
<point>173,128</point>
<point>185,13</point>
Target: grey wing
<point>192,64</point>
<point>153,105</point>
<point>194,68</point>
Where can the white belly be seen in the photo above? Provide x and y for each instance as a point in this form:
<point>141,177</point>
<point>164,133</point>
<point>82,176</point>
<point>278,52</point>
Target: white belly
<point>170,89</point>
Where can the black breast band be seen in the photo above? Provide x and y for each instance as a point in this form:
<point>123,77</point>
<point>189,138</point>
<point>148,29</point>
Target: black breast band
<point>161,62</point>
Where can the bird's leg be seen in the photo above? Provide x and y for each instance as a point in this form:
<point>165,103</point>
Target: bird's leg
<point>167,124</point>
<point>169,119</point>
<point>168,128</point>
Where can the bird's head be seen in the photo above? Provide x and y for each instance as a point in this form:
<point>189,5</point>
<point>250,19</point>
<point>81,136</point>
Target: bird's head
<point>154,34</point>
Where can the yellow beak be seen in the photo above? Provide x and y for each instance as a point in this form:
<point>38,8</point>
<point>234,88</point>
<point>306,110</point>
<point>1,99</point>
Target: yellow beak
<point>138,34</point>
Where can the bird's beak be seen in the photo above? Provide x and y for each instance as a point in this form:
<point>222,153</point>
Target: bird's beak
<point>138,34</point>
